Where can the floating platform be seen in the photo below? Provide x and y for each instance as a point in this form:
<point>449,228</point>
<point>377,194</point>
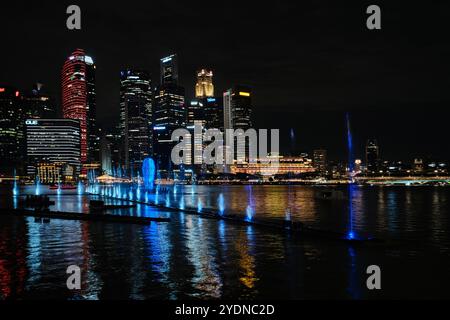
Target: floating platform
<point>99,205</point>
<point>45,214</point>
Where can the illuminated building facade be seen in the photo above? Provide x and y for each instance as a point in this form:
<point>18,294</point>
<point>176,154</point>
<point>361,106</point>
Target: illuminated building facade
<point>206,113</point>
<point>286,166</point>
<point>53,141</point>
<point>56,172</point>
<point>204,87</point>
<point>136,118</point>
<point>169,114</point>
<point>418,166</point>
<point>372,157</point>
<point>12,133</point>
<point>79,102</point>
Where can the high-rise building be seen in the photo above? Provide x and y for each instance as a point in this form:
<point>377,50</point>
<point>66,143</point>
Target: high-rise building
<point>115,149</point>
<point>136,118</point>
<point>372,157</point>
<point>320,161</point>
<point>169,70</point>
<point>241,107</point>
<point>53,141</point>
<point>169,114</point>
<point>208,110</point>
<point>12,133</point>
<point>105,155</point>
<point>227,111</point>
<point>237,114</point>
<point>79,102</point>
<point>213,110</point>
<point>195,111</point>
<point>204,87</point>
<point>38,103</point>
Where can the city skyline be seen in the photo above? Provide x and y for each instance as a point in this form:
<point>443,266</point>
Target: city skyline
<point>288,143</point>
<point>214,152</point>
<point>301,81</point>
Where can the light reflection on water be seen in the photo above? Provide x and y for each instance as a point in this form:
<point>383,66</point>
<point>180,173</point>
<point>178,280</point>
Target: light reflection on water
<point>204,258</point>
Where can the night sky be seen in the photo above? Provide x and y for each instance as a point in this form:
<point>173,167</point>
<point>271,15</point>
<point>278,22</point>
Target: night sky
<point>308,62</point>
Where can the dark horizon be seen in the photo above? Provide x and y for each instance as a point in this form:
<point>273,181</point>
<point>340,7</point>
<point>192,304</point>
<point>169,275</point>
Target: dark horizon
<point>307,64</point>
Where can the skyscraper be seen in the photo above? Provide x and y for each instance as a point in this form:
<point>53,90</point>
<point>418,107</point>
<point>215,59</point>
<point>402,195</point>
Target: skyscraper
<point>79,102</point>
<point>227,111</point>
<point>237,114</point>
<point>195,111</point>
<point>115,150</point>
<point>136,117</point>
<point>169,70</point>
<point>169,114</point>
<point>208,110</point>
<point>372,157</point>
<point>241,105</point>
<point>237,108</point>
<point>12,135</point>
<point>204,87</point>
<point>213,111</point>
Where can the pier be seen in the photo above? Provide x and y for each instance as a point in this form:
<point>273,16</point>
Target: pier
<point>46,214</point>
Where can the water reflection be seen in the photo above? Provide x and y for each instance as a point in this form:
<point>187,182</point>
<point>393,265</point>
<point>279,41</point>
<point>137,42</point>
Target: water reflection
<point>201,255</point>
<point>244,246</point>
<point>196,257</point>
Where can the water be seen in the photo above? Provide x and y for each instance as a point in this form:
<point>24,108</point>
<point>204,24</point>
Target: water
<point>192,257</point>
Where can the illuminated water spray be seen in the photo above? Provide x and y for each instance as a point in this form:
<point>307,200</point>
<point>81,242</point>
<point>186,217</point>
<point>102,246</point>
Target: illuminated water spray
<point>138,193</point>
<point>157,195</point>
<point>221,204</point>
<point>167,200</point>
<point>148,173</point>
<point>182,203</point>
<point>15,187</point>
<point>350,234</point>
<point>37,188</point>
<point>199,205</point>
<point>80,188</point>
<point>287,212</point>
<point>249,211</point>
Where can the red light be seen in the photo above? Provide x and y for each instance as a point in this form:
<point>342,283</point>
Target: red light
<point>17,93</point>
<point>2,89</point>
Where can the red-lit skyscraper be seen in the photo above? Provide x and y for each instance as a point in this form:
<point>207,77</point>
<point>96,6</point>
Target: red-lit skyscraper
<point>78,101</point>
